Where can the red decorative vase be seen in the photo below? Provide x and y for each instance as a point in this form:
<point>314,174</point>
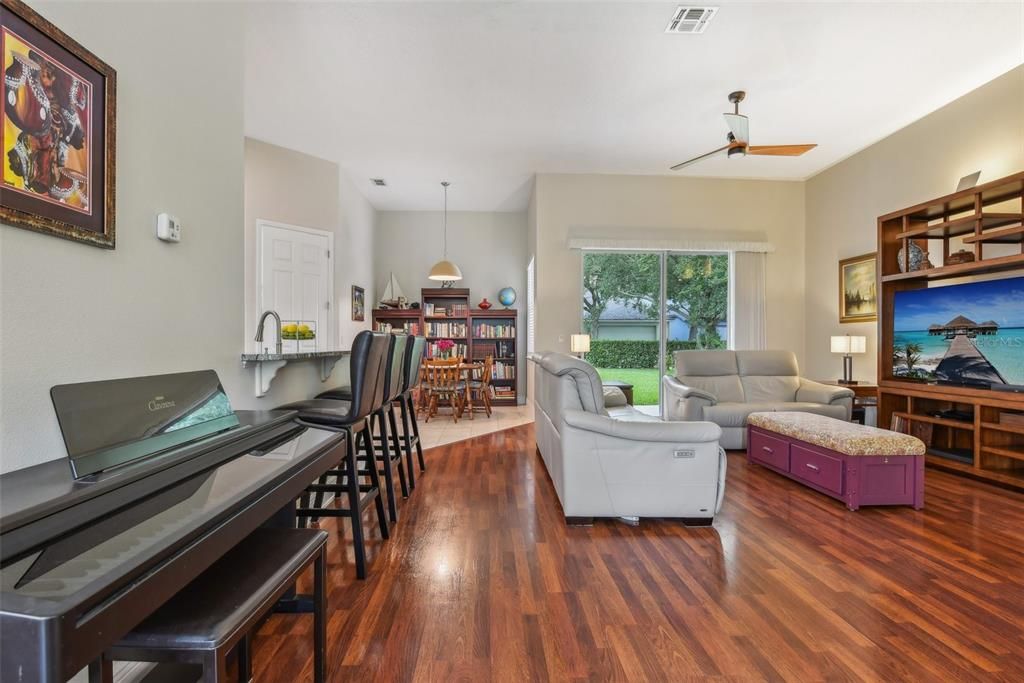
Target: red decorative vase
<point>484,305</point>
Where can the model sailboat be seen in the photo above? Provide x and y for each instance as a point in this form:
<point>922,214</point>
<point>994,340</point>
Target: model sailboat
<point>393,296</point>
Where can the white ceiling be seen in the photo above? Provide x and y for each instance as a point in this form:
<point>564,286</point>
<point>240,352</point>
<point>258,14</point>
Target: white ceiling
<point>485,94</point>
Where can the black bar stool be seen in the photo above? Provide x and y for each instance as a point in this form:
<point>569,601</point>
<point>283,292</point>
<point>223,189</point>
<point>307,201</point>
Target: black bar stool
<point>410,428</point>
<point>382,417</point>
<point>217,611</point>
<point>366,369</point>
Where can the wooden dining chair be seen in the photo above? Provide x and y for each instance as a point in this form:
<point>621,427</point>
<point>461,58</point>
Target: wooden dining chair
<point>477,388</point>
<point>442,378</point>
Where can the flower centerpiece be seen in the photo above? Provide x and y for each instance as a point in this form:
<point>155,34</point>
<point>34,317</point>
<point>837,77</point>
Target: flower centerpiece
<point>444,348</point>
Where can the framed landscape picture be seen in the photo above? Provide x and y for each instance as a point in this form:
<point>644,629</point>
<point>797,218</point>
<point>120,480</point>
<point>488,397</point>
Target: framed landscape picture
<point>57,139</point>
<point>858,296</point>
<point>358,303</point>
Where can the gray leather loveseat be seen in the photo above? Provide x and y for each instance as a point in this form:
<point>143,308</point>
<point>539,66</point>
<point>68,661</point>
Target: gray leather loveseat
<point>725,387</point>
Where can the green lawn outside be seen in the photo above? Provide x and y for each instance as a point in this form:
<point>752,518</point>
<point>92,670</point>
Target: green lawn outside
<point>645,383</point>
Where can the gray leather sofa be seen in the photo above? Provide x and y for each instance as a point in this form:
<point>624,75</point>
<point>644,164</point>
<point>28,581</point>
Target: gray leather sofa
<point>608,459</point>
<point>725,387</point>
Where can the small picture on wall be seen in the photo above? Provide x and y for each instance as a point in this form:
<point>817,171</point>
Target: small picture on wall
<point>358,303</point>
<point>56,131</point>
<point>858,296</point>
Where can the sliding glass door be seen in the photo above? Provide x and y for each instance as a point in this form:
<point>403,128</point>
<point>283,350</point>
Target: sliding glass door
<point>697,309</point>
<point>622,315</point>
<point>640,307</point>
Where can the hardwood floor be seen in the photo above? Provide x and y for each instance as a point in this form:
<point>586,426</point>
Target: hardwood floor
<point>482,580</point>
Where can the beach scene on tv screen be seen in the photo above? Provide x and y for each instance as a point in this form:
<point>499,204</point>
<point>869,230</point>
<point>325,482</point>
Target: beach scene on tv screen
<point>967,334</point>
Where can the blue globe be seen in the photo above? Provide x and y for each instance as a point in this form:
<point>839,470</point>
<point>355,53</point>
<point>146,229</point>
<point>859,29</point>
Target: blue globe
<point>507,296</point>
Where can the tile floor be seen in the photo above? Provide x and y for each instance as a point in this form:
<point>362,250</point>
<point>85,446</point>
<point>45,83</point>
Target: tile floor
<point>442,429</point>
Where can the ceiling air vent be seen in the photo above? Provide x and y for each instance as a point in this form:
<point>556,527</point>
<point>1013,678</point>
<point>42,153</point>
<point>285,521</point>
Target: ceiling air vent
<point>691,19</point>
<point>379,182</point>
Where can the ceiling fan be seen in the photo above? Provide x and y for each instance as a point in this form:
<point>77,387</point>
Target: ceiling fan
<point>739,140</point>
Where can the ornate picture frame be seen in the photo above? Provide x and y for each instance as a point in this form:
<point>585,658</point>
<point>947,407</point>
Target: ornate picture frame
<point>858,289</point>
<point>58,121</point>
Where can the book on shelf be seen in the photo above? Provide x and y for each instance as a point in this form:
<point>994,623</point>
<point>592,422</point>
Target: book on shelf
<point>432,350</point>
<point>494,331</point>
<point>502,370</point>
<point>458,310</point>
<point>455,330</point>
<point>412,328</point>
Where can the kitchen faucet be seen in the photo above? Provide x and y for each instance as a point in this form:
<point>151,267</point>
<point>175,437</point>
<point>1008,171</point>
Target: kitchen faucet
<point>263,320</point>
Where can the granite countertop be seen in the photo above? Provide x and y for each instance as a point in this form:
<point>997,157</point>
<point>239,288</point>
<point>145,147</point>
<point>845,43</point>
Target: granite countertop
<point>256,357</point>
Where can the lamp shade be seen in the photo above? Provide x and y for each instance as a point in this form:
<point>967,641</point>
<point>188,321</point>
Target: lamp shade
<point>849,344</point>
<point>445,270</point>
<point>579,343</point>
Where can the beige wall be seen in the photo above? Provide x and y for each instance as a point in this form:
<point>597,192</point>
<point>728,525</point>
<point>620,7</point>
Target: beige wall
<point>603,205</point>
<point>489,248</point>
<point>74,313</point>
<point>283,186</point>
<point>984,130</point>
<point>290,187</point>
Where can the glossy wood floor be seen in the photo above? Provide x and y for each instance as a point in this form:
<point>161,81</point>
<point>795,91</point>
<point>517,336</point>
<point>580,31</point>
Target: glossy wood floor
<point>483,581</point>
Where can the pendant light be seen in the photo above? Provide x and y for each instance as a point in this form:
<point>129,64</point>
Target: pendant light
<point>444,270</point>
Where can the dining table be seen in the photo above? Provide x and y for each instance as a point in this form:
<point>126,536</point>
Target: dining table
<point>465,371</point>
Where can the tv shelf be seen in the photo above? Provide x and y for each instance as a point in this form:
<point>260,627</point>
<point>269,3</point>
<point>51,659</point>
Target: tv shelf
<point>1011,262</point>
<point>987,222</point>
<point>468,323</point>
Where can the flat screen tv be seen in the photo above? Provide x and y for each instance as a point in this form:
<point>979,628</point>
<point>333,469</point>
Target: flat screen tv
<point>969,334</point>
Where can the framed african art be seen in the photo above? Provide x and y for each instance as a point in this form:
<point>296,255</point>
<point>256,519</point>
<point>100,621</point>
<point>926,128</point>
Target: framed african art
<point>57,139</point>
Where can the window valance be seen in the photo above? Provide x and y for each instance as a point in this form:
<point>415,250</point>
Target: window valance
<point>675,241</point>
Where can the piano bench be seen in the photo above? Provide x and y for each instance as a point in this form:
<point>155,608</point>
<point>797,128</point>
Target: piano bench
<point>219,609</point>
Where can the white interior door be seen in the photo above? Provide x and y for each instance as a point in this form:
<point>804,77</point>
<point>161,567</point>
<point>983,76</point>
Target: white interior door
<point>296,278</point>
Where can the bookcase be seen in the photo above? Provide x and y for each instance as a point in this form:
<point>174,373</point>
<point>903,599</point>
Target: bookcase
<point>445,316</point>
<point>446,313</point>
<point>976,432</point>
<point>494,334</point>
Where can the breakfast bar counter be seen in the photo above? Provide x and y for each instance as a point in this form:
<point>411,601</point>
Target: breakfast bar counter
<point>267,364</point>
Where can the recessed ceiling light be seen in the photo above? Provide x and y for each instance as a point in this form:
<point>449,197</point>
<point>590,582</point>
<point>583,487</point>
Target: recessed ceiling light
<point>379,182</point>
<point>690,19</point>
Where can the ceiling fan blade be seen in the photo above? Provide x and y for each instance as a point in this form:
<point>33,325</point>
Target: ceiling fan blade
<point>739,125</point>
<point>702,156</point>
<point>780,150</point>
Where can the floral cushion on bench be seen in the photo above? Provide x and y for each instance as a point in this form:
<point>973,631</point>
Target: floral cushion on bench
<point>848,438</point>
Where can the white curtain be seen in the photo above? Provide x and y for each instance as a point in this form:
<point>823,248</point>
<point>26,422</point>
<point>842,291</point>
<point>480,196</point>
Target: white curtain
<point>748,275</point>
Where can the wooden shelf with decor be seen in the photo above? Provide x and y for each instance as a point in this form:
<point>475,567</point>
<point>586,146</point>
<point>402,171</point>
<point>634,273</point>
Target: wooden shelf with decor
<point>976,432</point>
<point>475,329</point>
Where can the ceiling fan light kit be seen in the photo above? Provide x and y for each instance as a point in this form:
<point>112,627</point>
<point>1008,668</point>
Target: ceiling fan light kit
<point>739,138</point>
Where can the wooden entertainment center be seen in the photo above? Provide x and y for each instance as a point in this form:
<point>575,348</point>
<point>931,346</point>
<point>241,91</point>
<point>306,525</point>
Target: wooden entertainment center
<point>982,432</point>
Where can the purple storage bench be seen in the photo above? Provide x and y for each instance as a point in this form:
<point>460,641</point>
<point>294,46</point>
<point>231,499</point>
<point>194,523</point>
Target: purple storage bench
<point>858,465</point>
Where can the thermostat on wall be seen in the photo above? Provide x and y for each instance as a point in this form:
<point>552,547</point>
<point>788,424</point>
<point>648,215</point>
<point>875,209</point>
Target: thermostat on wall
<point>168,228</point>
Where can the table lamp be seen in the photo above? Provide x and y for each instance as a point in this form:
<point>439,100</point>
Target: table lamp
<point>579,344</point>
<point>847,345</point>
